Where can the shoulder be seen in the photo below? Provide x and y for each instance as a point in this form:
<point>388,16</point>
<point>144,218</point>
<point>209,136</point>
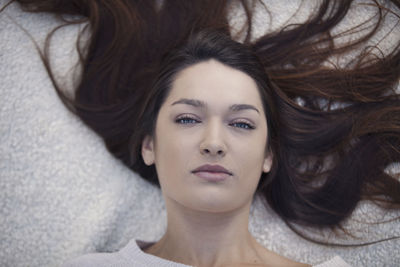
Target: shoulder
<point>127,256</point>
<point>89,260</point>
<point>334,262</point>
<point>275,259</point>
<point>130,255</point>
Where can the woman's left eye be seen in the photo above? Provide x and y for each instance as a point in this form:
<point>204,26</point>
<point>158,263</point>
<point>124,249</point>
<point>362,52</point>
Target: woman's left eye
<point>243,125</point>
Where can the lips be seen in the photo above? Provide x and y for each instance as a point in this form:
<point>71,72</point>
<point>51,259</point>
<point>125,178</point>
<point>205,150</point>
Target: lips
<point>212,168</point>
<point>212,173</point>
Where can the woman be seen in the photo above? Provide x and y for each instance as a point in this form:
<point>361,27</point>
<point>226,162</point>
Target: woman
<point>318,152</point>
<point>209,126</point>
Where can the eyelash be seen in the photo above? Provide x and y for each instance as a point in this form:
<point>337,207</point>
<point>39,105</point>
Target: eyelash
<point>186,118</point>
<point>180,120</point>
<point>248,126</point>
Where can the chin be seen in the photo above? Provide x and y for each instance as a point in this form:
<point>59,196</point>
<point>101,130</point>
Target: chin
<point>213,203</point>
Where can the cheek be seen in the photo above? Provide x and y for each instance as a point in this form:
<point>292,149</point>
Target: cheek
<point>172,154</point>
<point>250,159</point>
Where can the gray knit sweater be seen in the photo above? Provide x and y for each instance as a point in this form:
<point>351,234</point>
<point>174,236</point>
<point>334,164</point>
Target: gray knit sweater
<point>132,255</point>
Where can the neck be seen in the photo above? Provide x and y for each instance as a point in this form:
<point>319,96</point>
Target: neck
<point>207,238</point>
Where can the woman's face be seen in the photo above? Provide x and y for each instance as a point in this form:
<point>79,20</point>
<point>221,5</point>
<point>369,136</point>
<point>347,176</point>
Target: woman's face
<point>212,116</point>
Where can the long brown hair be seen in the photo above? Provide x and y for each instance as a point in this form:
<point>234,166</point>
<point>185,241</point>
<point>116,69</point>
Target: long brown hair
<point>339,124</point>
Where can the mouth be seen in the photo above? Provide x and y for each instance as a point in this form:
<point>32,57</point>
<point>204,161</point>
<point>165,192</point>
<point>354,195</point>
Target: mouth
<point>212,173</point>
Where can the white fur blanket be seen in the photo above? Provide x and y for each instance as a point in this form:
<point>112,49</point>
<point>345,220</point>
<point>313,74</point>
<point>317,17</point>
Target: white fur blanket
<point>63,195</point>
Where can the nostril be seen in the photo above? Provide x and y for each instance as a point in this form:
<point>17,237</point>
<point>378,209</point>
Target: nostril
<point>213,151</point>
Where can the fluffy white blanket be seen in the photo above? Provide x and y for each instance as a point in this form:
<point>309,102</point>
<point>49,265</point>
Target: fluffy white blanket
<point>63,195</point>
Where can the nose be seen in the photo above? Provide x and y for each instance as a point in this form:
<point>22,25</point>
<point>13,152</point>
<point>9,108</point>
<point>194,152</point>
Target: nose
<point>213,142</point>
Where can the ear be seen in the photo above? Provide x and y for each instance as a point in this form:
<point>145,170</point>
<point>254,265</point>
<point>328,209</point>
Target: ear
<point>267,161</point>
<point>148,150</point>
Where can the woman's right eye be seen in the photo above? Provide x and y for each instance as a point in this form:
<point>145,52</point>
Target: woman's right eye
<point>186,120</point>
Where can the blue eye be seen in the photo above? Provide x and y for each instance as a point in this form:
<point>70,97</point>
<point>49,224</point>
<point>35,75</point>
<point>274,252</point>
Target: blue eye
<point>186,120</point>
<point>243,125</point>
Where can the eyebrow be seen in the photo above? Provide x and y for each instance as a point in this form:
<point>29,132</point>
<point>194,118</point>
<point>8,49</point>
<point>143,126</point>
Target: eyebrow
<point>192,102</point>
<point>201,104</point>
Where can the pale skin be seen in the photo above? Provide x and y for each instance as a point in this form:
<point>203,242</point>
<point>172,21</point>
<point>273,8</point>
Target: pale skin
<point>212,115</point>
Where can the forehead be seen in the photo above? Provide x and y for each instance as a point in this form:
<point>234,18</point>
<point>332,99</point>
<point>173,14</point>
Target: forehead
<point>214,82</point>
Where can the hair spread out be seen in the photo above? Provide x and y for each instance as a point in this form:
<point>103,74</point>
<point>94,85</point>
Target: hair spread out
<point>336,127</point>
